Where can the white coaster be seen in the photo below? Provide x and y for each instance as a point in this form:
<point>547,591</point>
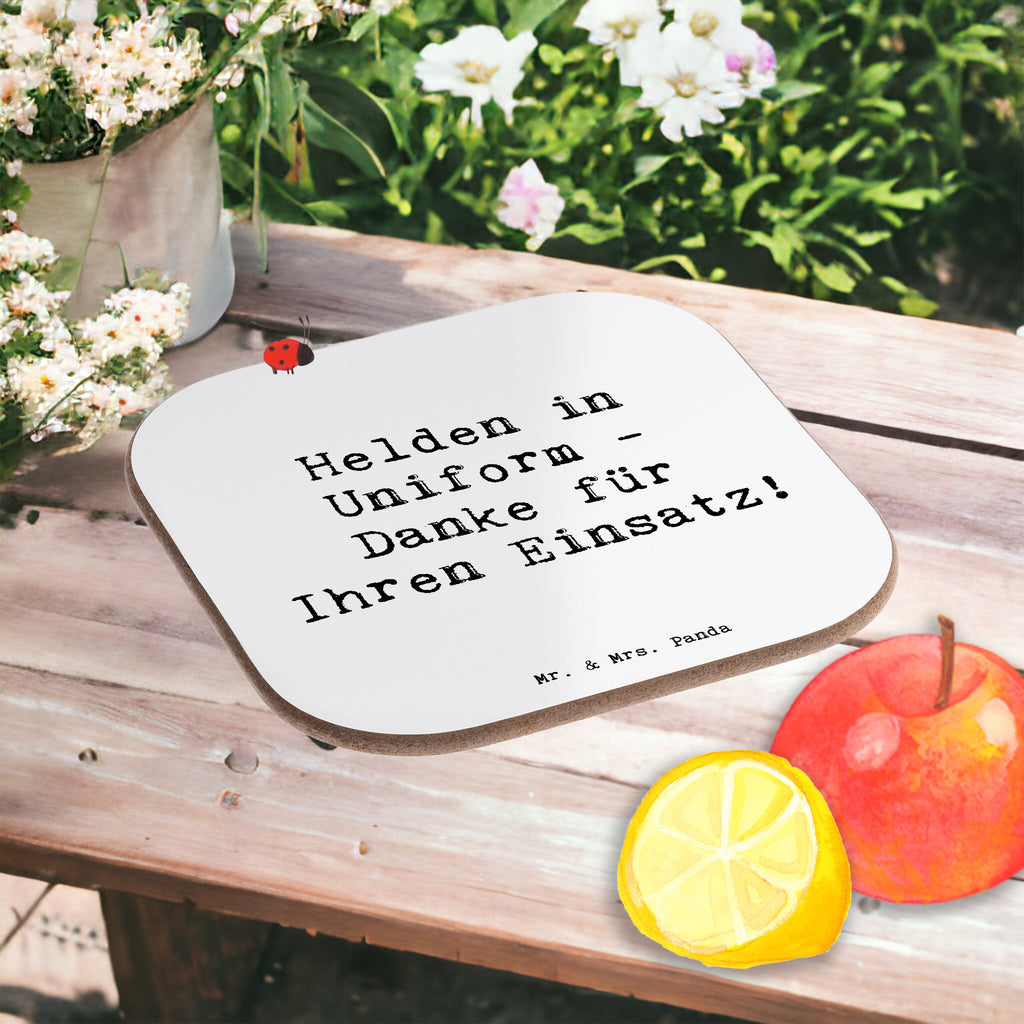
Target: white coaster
<point>462,531</point>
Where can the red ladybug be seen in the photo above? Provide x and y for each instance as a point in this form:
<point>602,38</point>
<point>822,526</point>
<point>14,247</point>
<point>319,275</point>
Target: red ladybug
<point>287,353</point>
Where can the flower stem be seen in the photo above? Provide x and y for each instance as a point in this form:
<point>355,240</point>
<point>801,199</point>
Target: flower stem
<point>259,219</point>
<point>946,677</point>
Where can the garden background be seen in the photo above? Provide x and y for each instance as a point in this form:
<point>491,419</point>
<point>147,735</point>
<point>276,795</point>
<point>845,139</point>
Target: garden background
<point>884,168</point>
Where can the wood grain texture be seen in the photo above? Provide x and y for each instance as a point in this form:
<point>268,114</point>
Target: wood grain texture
<point>944,379</point>
<point>502,856</point>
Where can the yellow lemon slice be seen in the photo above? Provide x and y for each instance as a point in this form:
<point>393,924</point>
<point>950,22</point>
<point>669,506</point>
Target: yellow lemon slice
<point>734,859</point>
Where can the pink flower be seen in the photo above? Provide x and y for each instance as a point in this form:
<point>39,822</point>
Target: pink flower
<point>754,58</point>
<point>765,56</point>
<point>528,203</point>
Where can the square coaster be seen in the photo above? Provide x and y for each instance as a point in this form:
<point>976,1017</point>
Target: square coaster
<point>469,529</point>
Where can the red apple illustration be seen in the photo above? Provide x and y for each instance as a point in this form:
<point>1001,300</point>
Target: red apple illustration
<point>917,745</point>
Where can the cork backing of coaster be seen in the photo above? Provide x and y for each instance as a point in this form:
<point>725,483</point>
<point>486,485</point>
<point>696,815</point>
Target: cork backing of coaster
<point>459,532</point>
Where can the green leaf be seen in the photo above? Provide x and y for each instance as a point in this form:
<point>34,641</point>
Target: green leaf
<point>873,77</point>
<point>787,241</point>
<point>589,234</point>
<point>356,108</point>
<point>834,276</point>
<point>552,56</point>
<point>841,188</point>
<point>890,216</point>
<point>646,167</point>
<point>236,173</point>
<point>789,92</point>
<point>970,52</point>
<point>844,147</point>
<point>281,205</point>
<point>865,239</point>
<point>982,32</point>
<point>732,145</point>
<point>893,108</point>
<point>910,199</point>
<point>741,194</point>
<point>328,133</point>
<point>284,103</point>
<point>678,258</point>
<point>363,24</point>
<point>435,232</point>
<point>529,14</point>
<point>487,11</point>
<point>781,243</point>
<point>326,211</point>
<point>426,12</point>
<point>895,285</point>
<point>818,238</point>
<point>915,304</point>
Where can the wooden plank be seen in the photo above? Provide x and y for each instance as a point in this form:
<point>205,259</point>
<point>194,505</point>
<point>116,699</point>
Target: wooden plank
<point>485,855</point>
<point>939,378</point>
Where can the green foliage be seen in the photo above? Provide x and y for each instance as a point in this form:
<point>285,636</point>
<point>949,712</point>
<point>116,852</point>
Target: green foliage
<point>892,139</point>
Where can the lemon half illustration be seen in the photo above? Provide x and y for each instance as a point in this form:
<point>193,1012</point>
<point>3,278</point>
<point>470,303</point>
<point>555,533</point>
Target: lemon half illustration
<point>733,859</point>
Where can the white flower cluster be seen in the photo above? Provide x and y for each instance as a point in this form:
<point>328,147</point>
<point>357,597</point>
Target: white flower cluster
<point>291,15</point>
<point>287,16</point>
<point>704,61</point>
<point>139,69</point>
<point>121,76</point>
<point>690,58</point>
<point>79,378</point>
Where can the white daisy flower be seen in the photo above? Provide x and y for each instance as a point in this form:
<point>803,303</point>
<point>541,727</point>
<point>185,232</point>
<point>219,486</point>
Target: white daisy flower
<point>625,28</point>
<point>717,21</point>
<point>613,22</point>
<point>685,79</point>
<point>479,63</point>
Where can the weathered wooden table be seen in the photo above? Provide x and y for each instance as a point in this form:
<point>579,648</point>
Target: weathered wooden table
<point>120,706</point>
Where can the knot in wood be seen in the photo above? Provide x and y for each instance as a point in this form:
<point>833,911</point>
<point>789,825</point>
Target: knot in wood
<point>242,760</point>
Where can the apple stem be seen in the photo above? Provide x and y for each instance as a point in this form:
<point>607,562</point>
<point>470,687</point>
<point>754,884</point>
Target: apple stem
<point>946,678</point>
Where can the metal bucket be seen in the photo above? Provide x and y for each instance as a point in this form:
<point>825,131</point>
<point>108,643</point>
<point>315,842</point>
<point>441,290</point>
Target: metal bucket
<point>158,205</point>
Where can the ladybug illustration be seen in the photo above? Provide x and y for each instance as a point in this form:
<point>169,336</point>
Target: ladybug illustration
<point>287,353</point>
